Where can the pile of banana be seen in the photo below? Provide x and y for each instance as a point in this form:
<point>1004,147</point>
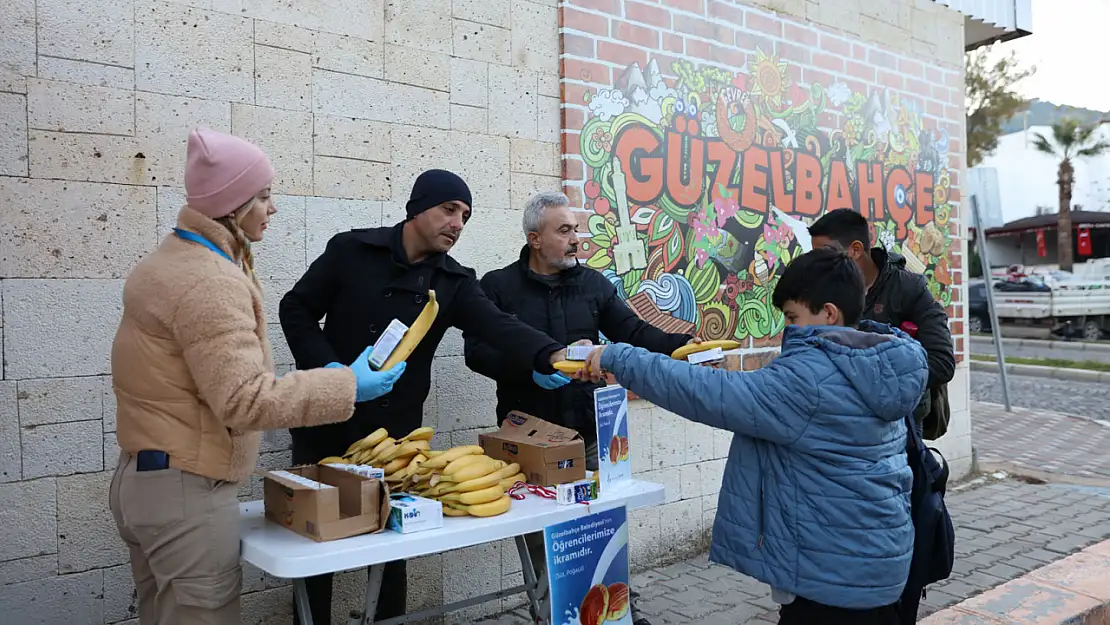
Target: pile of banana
<point>465,480</point>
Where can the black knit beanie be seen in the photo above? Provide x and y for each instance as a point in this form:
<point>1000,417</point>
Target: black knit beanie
<point>434,187</point>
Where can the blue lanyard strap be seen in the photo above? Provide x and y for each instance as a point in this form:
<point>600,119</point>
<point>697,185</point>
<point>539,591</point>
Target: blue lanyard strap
<point>196,238</point>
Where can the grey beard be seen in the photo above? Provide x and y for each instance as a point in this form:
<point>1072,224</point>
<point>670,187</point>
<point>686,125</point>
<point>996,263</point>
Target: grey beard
<point>563,262</point>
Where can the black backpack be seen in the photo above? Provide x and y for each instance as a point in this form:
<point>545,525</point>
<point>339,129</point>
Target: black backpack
<point>934,536</point>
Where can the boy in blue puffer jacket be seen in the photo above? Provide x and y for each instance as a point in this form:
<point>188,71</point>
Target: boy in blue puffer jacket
<point>816,493</point>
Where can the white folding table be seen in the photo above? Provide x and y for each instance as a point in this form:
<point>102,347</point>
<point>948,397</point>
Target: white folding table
<point>286,554</point>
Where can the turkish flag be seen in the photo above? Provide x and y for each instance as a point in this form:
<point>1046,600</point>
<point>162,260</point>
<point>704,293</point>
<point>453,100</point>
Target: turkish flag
<point>1084,240</point>
<point>1041,251</point>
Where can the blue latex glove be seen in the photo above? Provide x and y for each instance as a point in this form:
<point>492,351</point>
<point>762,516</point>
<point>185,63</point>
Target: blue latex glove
<point>550,382</point>
<point>373,384</point>
<point>335,365</point>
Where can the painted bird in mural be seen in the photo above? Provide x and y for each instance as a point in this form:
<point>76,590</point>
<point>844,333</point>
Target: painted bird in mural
<point>798,227</point>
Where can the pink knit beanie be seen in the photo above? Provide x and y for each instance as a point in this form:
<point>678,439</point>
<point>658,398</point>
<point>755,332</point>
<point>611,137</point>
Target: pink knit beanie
<point>222,172</point>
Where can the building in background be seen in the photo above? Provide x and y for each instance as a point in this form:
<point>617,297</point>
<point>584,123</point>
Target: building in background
<point>697,138</point>
<point>1027,177</point>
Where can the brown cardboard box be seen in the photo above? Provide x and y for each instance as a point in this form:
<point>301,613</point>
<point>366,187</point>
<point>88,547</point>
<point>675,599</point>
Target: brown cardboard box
<point>324,503</point>
<point>548,454</point>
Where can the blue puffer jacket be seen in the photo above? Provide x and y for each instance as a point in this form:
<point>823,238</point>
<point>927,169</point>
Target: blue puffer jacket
<point>815,498</point>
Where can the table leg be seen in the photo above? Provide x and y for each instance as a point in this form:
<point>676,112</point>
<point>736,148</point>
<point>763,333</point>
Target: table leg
<point>373,589</point>
<point>300,596</point>
<point>530,580</point>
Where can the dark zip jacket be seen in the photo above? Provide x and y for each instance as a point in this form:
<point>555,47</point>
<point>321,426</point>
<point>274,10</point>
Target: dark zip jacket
<point>899,295</point>
<point>576,304</point>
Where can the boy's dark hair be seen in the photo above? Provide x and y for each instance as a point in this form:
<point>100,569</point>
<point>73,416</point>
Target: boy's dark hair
<point>843,225</point>
<point>823,276</point>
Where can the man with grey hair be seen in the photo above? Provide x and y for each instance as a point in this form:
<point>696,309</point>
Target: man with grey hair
<point>548,290</point>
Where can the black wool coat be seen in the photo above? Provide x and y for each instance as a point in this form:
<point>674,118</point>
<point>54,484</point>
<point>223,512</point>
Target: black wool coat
<point>363,281</point>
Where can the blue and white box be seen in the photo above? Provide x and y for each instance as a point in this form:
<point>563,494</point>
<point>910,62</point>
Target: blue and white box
<point>410,513</point>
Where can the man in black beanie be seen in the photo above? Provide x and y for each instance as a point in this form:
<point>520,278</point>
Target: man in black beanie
<point>365,279</point>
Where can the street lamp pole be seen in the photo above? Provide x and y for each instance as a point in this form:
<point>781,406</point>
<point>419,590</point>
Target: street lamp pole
<point>996,333</point>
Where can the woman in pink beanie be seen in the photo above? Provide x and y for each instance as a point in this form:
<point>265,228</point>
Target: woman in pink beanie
<point>195,386</point>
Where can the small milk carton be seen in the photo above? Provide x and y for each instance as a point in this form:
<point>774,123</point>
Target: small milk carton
<point>581,491</point>
<point>410,513</point>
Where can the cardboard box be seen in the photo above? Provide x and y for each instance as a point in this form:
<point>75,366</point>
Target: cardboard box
<point>412,513</point>
<point>548,454</point>
<point>324,503</point>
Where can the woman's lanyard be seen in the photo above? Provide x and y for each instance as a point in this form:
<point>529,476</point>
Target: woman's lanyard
<point>196,238</point>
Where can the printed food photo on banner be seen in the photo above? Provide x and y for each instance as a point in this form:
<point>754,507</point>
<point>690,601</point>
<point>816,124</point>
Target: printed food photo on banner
<point>702,183</point>
<point>587,564</point>
<point>611,408</point>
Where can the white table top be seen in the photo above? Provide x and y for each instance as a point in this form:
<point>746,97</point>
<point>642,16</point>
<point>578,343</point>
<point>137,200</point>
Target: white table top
<point>283,553</point>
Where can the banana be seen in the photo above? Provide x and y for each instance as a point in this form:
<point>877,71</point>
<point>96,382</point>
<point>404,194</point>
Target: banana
<point>433,454</point>
<point>415,333</point>
<point>683,352</point>
<point>492,508</point>
<point>465,461</point>
<point>569,366</point>
<point>493,479</point>
<point>485,495</point>
<point>394,466</point>
<point>333,460</point>
<point>363,457</point>
<point>508,482</point>
<point>407,450</point>
<point>444,459</point>
<point>436,491</point>
<point>385,442</point>
<point>449,511</point>
<point>369,441</point>
<point>471,471</point>
<point>386,451</point>
<point>420,434</point>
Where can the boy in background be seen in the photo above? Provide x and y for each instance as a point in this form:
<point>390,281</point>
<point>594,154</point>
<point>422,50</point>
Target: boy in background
<point>815,497</point>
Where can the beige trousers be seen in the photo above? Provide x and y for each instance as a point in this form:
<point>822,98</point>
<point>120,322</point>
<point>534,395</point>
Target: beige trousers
<point>183,534</point>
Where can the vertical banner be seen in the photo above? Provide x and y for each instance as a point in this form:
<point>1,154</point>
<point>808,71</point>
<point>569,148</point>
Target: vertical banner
<point>1084,241</point>
<point>613,463</point>
<point>587,567</point>
<point>1041,251</point>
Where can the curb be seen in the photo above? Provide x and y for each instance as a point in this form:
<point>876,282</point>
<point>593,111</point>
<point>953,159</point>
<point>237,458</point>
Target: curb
<point>1075,346</point>
<point>1072,590</point>
<point>1037,371</point>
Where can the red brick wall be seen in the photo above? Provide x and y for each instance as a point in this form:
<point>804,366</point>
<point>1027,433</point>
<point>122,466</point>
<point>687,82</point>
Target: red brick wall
<point>775,62</point>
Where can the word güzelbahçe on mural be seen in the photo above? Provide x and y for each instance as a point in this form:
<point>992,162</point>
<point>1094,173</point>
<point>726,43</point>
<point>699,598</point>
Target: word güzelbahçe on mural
<point>702,186</point>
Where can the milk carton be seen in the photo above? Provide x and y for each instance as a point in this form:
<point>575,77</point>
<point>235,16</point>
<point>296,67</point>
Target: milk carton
<point>410,513</point>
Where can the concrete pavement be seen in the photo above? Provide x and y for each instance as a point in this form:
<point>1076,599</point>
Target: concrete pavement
<point>1006,526</point>
<point>1089,399</point>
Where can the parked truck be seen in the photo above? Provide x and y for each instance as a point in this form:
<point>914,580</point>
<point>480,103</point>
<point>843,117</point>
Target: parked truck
<point>1067,306</point>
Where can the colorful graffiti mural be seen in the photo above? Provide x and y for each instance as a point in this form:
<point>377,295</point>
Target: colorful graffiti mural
<point>702,186</point>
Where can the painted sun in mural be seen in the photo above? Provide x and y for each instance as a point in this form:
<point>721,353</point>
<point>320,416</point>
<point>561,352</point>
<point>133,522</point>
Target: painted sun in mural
<point>702,186</point>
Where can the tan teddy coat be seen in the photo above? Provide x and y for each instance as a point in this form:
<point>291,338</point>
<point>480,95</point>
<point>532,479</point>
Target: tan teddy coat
<point>191,363</point>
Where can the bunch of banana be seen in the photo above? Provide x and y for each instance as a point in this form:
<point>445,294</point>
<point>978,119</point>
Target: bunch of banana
<point>466,481</point>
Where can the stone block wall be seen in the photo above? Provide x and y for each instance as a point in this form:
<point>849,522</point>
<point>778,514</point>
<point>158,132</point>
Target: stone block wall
<point>352,99</point>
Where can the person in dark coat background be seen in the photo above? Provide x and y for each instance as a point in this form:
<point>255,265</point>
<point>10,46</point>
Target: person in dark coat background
<point>895,296</point>
<point>547,289</point>
<point>366,278</point>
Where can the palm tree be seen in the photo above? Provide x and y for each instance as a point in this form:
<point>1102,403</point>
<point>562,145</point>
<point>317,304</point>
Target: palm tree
<point>1071,139</point>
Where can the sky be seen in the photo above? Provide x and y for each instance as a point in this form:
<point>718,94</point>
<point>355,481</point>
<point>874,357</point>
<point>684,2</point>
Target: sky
<point>1061,28</point>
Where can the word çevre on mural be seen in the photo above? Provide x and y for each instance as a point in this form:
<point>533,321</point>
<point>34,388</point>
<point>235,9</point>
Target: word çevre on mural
<point>702,191</point>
